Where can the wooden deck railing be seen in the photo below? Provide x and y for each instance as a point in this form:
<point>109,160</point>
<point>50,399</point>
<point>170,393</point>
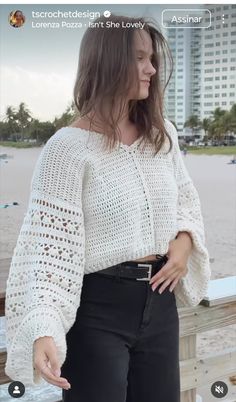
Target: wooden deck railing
<point>216,311</point>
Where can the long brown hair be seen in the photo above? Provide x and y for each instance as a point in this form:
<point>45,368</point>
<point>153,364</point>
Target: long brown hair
<point>107,72</point>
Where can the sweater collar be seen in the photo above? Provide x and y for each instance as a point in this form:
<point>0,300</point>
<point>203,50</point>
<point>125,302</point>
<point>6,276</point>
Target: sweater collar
<point>93,139</point>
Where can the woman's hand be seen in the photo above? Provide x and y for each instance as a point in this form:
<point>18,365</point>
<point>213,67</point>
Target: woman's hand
<point>45,352</point>
<point>176,266</point>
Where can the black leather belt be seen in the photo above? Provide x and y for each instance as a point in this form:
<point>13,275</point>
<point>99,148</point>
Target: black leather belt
<point>141,271</point>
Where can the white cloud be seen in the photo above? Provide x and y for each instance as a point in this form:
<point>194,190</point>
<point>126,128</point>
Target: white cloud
<point>46,94</point>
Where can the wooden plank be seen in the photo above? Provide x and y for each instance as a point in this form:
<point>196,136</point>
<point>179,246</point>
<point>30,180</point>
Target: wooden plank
<point>4,271</point>
<point>3,357</point>
<point>187,350</point>
<point>199,372</point>
<point>195,320</point>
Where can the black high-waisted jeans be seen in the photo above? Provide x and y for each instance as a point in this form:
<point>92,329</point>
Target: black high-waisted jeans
<point>124,344</point>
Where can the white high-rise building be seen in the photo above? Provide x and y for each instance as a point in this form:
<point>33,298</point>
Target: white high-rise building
<point>183,91</point>
<point>218,75</point>
<point>204,74</point>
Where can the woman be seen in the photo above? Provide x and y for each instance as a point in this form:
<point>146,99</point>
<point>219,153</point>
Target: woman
<point>113,239</point>
<point>17,19</point>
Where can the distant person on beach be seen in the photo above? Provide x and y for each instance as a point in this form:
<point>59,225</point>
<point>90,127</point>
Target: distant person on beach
<point>113,238</point>
<point>234,159</point>
<point>17,19</point>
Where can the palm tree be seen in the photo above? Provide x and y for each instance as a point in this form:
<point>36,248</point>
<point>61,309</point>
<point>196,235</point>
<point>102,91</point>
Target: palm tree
<point>205,124</point>
<point>217,128</point>
<point>194,123</point>
<point>11,120</point>
<point>24,118</point>
<point>66,118</point>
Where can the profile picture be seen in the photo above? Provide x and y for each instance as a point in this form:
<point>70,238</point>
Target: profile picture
<point>16,18</point>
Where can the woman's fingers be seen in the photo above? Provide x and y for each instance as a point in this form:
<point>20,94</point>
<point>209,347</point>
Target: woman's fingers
<point>174,283</point>
<point>47,374</point>
<point>167,277</point>
<point>164,272</point>
<point>59,382</point>
<point>46,361</point>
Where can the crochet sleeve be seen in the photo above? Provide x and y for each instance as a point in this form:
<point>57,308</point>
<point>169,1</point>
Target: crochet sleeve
<point>46,271</point>
<point>193,286</point>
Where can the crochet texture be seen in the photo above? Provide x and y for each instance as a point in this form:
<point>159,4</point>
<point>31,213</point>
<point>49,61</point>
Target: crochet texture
<point>90,209</point>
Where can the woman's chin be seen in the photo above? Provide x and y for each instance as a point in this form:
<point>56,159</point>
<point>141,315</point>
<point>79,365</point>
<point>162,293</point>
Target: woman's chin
<point>144,95</point>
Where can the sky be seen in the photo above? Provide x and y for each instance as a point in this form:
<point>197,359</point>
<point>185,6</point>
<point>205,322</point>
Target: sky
<point>39,65</point>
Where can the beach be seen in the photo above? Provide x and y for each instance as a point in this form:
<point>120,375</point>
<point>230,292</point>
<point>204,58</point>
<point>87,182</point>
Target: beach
<point>215,180</point>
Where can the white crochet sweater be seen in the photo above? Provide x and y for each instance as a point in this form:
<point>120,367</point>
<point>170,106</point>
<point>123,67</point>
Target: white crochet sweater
<point>90,209</point>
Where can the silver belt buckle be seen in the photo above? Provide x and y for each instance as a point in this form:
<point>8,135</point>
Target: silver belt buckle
<point>149,272</point>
